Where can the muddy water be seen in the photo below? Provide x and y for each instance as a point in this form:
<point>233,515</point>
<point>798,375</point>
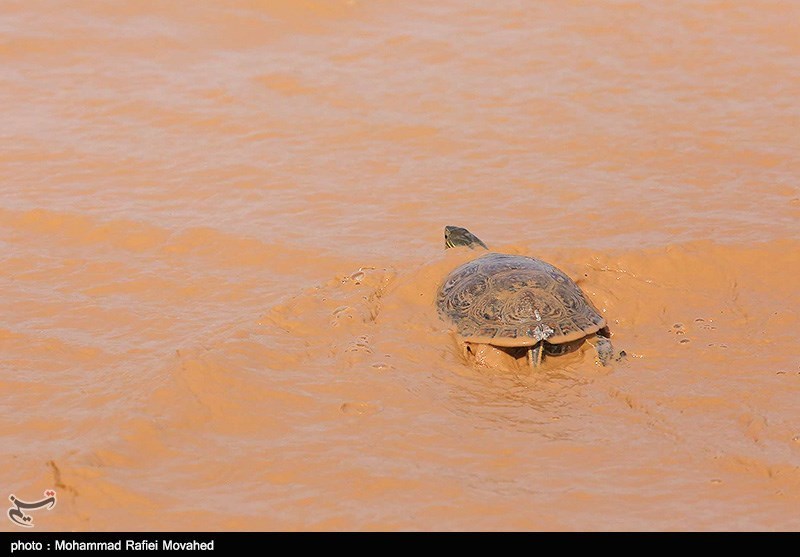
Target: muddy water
<point>221,229</point>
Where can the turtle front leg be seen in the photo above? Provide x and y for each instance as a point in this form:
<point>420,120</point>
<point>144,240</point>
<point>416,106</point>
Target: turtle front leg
<point>604,348</point>
<point>535,355</point>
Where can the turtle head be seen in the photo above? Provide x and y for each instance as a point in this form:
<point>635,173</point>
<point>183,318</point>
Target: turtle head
<point>455,236</point>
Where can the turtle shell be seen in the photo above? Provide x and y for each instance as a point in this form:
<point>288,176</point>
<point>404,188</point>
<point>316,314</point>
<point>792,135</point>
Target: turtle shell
<point>512,300</point>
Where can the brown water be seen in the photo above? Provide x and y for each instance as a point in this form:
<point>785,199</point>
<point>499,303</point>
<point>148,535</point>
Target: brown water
<point>221,229</point>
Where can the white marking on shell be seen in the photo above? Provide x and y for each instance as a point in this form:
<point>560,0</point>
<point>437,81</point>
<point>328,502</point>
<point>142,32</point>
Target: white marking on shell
<point>542,331</point>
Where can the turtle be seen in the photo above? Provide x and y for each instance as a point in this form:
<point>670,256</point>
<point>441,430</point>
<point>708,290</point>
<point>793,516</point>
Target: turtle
<point>518,302</point>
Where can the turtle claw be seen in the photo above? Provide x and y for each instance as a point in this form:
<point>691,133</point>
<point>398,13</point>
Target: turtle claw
<point>605,351</point>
